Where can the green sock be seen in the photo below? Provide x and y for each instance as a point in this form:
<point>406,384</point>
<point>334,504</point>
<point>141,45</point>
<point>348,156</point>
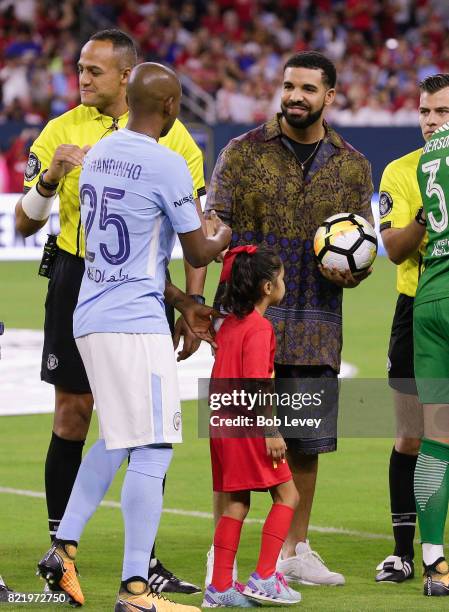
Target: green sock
<point>432,490</point>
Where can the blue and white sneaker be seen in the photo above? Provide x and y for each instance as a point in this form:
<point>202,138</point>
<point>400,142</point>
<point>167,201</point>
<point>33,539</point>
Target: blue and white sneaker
<point>231,598</point>
<point>273,591</point>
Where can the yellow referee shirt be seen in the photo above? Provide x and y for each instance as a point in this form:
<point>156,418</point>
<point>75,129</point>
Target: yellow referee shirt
<point>82,126</point>
<point>399,201</point>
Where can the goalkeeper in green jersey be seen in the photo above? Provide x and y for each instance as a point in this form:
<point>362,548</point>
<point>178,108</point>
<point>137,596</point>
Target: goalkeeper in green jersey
<point>431,346</point>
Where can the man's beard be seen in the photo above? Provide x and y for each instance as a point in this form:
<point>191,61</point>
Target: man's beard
<point>301,122</point>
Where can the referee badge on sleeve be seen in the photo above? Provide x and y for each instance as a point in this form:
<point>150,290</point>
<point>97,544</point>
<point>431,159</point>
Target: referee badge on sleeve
<point>33,167</point>
<point>385,203</point>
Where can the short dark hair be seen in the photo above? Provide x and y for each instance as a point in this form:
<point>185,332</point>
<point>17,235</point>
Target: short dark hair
<point>120,42</point>
<point>249,272</point>
<point>434,83</point>
<point>315,61</point>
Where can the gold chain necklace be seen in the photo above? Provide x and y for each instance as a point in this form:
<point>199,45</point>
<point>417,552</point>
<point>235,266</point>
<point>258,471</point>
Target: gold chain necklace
<point>303,164</point>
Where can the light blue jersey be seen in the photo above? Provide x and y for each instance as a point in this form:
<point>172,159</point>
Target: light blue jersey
<point>135,196</point>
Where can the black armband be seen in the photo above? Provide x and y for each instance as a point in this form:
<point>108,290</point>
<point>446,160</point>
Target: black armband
<point>419,218</point>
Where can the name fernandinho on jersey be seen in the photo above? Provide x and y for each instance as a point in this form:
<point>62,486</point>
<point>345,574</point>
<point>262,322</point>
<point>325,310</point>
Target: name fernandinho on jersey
<point>115,167</point>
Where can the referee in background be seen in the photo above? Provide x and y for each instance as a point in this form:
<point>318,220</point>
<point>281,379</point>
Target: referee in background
<point>403,228</point>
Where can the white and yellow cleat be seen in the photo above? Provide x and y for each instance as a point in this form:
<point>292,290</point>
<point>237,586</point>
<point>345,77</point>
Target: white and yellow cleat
<point>58,569</point>
<point>133,599</point>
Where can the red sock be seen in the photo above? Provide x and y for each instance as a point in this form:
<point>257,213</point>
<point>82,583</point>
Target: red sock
<point>226,543</point>
<point>274,532</point>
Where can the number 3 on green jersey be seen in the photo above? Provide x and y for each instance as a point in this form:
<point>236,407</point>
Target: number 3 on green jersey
<point>433,180</point>
<point>438,222</point>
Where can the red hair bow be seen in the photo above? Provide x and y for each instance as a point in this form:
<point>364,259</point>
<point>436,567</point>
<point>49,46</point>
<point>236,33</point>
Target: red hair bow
<point>229,260</point>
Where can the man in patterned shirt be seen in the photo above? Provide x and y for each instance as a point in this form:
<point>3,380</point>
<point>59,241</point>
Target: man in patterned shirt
<point>275,185</point>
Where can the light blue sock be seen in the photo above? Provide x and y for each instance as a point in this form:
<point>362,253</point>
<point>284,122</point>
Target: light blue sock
<point>142,506</point>
<point>96,472</point>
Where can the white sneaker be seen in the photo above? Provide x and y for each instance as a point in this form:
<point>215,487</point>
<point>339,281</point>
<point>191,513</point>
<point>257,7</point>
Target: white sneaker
<point>210,568</point>
<point>307,567</point>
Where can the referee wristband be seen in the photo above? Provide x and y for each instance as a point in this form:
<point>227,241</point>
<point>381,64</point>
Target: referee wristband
<point>48,186</point>
<point>36,206</point>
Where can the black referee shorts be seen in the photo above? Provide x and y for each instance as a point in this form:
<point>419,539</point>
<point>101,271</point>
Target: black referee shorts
<point>61,362</point>
<point>401,372</point>
<point>62,365</point>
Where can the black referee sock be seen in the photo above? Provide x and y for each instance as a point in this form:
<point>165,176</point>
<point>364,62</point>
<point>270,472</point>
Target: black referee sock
<point>402,500</point>
<point>61,467</point>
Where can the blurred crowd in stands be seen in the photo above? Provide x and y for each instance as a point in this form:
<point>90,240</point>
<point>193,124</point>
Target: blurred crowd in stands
<point>233,49</point>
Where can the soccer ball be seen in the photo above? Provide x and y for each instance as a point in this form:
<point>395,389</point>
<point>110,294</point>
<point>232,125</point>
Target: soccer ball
<point>346,242</point>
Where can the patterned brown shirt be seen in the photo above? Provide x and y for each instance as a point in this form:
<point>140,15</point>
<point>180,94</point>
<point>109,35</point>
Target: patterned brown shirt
<point>258,188</point>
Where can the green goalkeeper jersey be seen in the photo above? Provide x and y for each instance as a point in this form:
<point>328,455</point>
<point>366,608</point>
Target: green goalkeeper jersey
<point>433,179</point>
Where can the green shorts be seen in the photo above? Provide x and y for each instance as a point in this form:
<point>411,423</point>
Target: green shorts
<point>431,351</point>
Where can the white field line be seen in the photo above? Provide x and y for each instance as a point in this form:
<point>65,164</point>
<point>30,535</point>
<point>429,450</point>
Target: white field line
<point>208,515</point>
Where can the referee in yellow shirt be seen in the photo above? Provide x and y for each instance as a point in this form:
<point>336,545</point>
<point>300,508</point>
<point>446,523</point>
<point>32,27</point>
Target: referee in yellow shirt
<point>403,230</point>
<point>53,168</point>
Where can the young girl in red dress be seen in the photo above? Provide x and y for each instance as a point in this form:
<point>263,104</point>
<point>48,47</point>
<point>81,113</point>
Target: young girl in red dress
<point>246,347</point>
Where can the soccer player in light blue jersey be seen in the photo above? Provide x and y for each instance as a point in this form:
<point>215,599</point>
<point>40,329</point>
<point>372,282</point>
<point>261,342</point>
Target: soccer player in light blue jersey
<point>135,196</point>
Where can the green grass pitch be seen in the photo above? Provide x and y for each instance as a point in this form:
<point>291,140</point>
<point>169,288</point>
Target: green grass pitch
<point>352,491</point>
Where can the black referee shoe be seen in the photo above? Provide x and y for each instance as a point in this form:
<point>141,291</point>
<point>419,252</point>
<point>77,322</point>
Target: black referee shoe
<point>395,569</point>
<point>436,578</point>
<point>5,591</point>
<point>161,580</point>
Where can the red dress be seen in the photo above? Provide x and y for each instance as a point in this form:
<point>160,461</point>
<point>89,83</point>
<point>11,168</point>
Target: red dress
<point>246,349</point>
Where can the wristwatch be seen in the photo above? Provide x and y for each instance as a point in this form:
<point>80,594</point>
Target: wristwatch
<point>199,299</point>
<point>419,218</point>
